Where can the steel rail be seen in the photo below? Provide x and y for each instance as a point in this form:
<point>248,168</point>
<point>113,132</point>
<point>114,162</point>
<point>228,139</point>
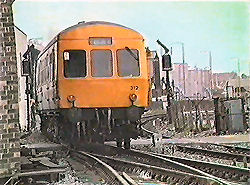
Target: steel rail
<point>181,166</point>
<point>226,155</point>
<point>129,179</point>
<point>154,115</point>
<point>150,118</point>
<point>158,173</point>
<point>229,173</point>
<point>234,148</point>
<point>111,176</point>
<point>146,158</point>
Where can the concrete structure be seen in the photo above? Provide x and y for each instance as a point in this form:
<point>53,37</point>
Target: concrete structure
<point>9,120</point>
<point>235,116</point>
<point>232,92</point>
<point>21,47</point>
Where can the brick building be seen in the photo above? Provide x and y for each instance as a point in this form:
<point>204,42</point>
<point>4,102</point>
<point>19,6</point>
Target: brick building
<point>199,82</point>
<point>9,120</point>
<point>177,76</point>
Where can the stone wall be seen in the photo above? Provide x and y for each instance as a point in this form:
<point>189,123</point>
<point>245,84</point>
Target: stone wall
<point>9,127</point>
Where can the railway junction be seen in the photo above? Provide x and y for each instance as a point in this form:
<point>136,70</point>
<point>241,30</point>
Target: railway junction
<point>173,161</point>
<point>168,160</point>
<point>144,136</point>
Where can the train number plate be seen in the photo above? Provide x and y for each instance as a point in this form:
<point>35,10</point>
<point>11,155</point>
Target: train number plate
<point>134,87</point>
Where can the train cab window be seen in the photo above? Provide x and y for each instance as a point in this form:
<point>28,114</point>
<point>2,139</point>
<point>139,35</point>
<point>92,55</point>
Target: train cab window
<point>75,63</point>
<point>128,62</point>
<point>101,63</point>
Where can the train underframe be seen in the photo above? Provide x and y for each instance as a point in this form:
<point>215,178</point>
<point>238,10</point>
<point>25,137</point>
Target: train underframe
<point>80,125</point>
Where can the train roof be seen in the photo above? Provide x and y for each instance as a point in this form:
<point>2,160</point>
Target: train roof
<point>82,25</point>
<point>93,23</point>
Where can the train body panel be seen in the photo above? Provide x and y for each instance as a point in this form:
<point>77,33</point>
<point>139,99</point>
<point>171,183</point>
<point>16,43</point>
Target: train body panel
<point>103,93</point>
<point>110,91</point>
<point>46,79</point>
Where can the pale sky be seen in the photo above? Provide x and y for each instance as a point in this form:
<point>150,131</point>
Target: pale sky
<point>220,27</point>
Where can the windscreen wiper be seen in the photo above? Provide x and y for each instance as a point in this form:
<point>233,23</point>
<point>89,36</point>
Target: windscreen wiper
<point>132,54</point>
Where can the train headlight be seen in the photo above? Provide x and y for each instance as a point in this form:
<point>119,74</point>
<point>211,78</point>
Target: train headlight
<point>71,98</point>
<point>133,97</point>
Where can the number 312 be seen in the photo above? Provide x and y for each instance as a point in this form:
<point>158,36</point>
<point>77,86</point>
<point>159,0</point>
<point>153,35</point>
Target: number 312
<point>134,87</point>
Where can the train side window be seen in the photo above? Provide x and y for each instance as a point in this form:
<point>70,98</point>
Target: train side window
<point>75,63</point>
<point>46,62</point>
<point>38,73</point>
<point>42,71</point>
<point>48,74</point>
<point>128,63</point>
<point>52,72</point>
<point>101,63</point>
<point>41,77</point>
<point>52,65</point>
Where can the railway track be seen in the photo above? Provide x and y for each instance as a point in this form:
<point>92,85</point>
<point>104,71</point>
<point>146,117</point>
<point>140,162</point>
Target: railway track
<point>227,172</point>
<point>147,119</point>
<point>240,150</point>
<point>158,167</point>
<point>220,151</point>
<point>155,172</point>
<point>213,153</point>
<point>104,170</point>
<point>224,147</point>
<point>117,165</point>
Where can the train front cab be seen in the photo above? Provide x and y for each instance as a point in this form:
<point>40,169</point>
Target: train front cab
<point>103,81</point>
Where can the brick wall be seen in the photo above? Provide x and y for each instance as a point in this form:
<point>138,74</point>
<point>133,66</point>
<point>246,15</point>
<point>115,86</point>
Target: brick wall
<point>9,129</point>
